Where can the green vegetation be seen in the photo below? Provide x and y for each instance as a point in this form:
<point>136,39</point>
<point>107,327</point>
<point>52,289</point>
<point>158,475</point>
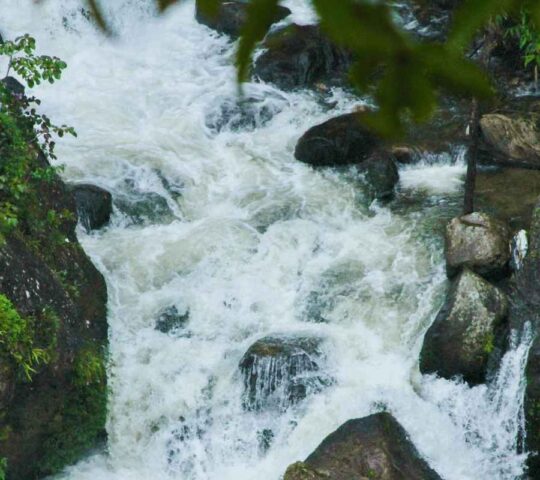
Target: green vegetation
<point>83,414</point>
<point>405,76</point>
<point>528,36</point>
<point>23,131</point>
<point>3,468</point>
<point>17,340</point>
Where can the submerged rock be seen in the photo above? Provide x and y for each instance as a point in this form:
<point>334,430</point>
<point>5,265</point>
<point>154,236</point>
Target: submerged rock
<point>466,331</point>
<point>300,56</point>
<point>478,242</point>
<point>342,140</point>
<point>94,205</point>
<point>512,140</point>
<point>249,113</point>
<point>231,16</point>
<point>381,174</point>
<point>281,370</point>
<point>373,447</point>
<point>169,319</point>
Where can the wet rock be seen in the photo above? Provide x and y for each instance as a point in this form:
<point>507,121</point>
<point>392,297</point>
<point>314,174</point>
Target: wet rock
<point>512,140</point>
<point>7,384</point>
<point>478,242</point>
<point>466,331</point>
<point>281,370</point>
<point>381,174</point>
<point>525,316</point>
<point>373,447</point>
<point>94,205</point>
<point>231,16</point>
<point>141,207</point>
<point>169,319</point>
<point>341,140</point>
<point>300,56</point>
<point>13,85</point>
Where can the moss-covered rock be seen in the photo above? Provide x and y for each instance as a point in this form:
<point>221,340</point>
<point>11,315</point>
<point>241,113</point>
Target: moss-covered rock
<point>281,370</point>
<point>56,407</point>
<point>371,448</point>
<point>466,331</point>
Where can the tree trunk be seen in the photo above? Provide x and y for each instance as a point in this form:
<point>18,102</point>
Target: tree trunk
<point>489,43</point>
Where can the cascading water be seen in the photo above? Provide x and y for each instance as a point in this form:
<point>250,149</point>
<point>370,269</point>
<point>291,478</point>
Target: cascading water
<point>214,217</point>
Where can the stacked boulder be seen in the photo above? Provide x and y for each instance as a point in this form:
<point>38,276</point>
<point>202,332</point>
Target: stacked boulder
<point>469,332</point>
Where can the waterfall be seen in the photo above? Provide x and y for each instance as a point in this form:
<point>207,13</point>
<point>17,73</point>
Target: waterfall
<point>214,218</point>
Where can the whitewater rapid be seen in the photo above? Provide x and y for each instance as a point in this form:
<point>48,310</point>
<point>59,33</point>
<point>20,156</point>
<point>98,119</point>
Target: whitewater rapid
<point>223,222</point>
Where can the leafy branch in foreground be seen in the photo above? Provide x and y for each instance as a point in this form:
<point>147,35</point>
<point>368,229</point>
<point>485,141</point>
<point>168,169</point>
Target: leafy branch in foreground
<point>404,75</point>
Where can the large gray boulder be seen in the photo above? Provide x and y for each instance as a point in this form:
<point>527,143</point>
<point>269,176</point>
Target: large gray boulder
<point>231,16</point>
<point>373,447</point>
<point>466,331</point>
<point>281,370</point>
<point>512,140</point>
<point>479,242</point>
<point>301,56</point>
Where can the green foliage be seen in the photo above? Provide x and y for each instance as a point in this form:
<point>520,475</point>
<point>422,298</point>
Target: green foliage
<point>22,130</point>
<point>528,36</point>
<point>3,468</point>
<point>17,340</point>
<point>410,74</point>
<point>83,414</point>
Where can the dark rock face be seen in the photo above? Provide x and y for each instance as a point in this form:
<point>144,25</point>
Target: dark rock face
<point>478,242</point>
<point>466,331</point>
<point>341,140</point>
<point>512,140</point>
<point>279,371</point>
<point>299,57</point>
<point>13,85</point>
<point>525,308</point>
<point>169,319</point>
<point>94,206</point>
<point>381,174</point>
<point>55,418</point>
<point>231,16</point>
<point>374,447</point>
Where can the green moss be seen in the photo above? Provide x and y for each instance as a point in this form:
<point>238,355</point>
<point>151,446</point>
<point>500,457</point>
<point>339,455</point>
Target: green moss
<point>17,340</point>
<point>3,468</point>
<point>82,423</point>
<point>489,344</point>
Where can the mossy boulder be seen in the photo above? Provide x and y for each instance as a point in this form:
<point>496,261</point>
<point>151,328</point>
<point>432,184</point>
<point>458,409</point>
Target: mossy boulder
<point>55,412</point>
<point>371,448</point>
<point>468,330</point>
<point>231,16</point>
<point>281,370</point>
<point>478,242</point>
<point>301,56</point>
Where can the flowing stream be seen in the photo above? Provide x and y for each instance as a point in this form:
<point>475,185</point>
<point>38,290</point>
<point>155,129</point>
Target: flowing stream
<point>214,216</point>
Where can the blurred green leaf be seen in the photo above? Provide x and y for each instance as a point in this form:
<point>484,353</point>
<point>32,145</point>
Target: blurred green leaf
<point>260,16</point>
